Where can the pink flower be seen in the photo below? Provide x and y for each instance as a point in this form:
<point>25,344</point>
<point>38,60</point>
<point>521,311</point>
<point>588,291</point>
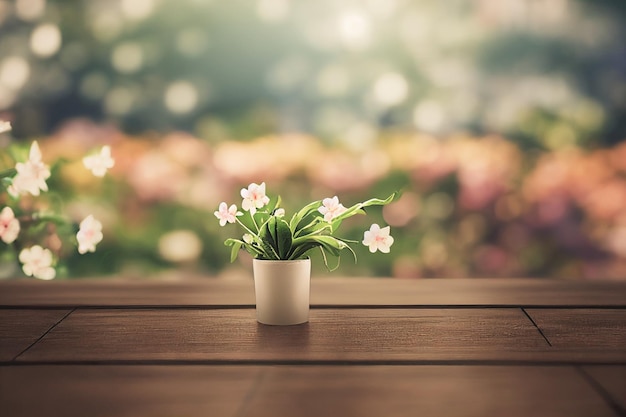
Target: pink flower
<point>99,164</point>
<point>254,197</point>
<point>9,225</point>
<point>378,239</point>
<point>227,214</point>
<point>31,175</point>
<point>331,208</point>
<point>37,262</point>
<point>5,126</point>
<point>89,235</point>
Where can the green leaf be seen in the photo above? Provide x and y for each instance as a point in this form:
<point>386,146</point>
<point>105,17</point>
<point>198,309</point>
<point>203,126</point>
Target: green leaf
<point>315,226</point>
<point>269,237</point>
<point>247,221</point>
<point>254,250</point>
<point>297,218</point>
<point>299,251</point>
<point>350,249</point>
<point>329,243</point>
<point>277,234</point>
<point>235,245</point>
<point>5,183</point>
<point>8,172</point>
<point>268,232</point>
<point>273,204</point>
<point>283,238</point>
<point>259,218</point>
<point>358,209</point>
<point>330,269</point>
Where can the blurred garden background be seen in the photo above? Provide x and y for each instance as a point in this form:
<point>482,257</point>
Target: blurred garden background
<point>502,122</point>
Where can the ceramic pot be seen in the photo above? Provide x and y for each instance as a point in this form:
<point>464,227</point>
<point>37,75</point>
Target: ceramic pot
<point>282,291</point>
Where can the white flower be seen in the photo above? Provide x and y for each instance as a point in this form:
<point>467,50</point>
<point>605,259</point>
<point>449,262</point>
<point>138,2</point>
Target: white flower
<point>31,175</point>
<point>89,235</point>
<point>37,262</point>
<point>9,225</point>
<point>254,197</point>
<point>5,126</point>
<point>378,239</point>
<point>331,208</point>
<point>99,164</point>
<point>279,212</point>
<point>248,238</point>
<point>227,214</point>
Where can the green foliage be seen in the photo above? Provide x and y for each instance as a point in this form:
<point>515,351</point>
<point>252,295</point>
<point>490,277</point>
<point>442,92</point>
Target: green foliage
<point>271,237</point>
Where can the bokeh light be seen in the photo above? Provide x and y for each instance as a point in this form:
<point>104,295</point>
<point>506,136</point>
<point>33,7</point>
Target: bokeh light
<point>137,9</point>
<point>30,10</point>
<point>181,97</point>
<point>14,72</point>
<point>127,57</point>
<point>354,30</point>
<point>45,40</point>
<point>502,123</point>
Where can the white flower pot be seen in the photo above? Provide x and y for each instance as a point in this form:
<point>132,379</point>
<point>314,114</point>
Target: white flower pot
<point>282,291</point>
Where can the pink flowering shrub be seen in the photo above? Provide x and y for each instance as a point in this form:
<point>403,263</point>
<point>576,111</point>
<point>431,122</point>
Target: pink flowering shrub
<point>472,206</point>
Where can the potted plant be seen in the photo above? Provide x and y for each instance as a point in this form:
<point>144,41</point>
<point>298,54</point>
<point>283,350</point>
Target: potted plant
<point>280,247</point>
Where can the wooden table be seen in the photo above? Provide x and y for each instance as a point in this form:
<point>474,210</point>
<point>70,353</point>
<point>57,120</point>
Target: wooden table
<point>373,347</point>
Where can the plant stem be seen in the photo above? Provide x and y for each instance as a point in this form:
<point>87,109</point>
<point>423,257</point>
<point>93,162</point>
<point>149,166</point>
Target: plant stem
<point>256,237</point>
<point>245,227</point>
<point>254,221</point>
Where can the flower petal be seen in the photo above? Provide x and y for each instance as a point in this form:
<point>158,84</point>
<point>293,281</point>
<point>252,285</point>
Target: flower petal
<point>34,154</point>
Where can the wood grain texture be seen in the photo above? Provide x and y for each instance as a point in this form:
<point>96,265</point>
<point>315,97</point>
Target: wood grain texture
<point>590,332</point>
<point>424,391</point>
<point>20,328</point>
<point>613,380</point>
<point>127,391</point>
<point>103,292</point>
<point>446,292</point>
<point>248,391</point>
<point>331,335</point>
<point>194,291</point>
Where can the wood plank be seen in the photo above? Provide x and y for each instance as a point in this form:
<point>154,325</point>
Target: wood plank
<point>102,292</point>
<point>446,292</point>
<point>194,291</point>
<point>391,391</point>
<point>613,380</point>
<point>592,332</point>
<point>425,391</point>
<point>20,328</point>
<point>332,335</point>
<point>126,391</point>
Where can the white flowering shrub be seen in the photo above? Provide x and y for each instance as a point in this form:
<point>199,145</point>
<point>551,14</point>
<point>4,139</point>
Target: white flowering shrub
<point>26,228</point>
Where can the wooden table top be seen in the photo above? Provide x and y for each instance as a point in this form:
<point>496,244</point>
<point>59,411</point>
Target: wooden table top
<point>373,347</point>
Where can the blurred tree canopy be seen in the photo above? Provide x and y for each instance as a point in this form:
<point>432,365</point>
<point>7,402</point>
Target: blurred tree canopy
<point>545,72</point>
